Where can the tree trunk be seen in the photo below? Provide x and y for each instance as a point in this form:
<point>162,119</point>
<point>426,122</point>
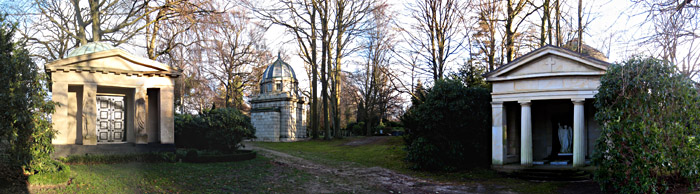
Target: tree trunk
<point>95,16</point>
<point>325,60</point>
<point>314,82</point>
<point>545,21</point>
<point>580,27</point>
<point>509,31</point>
<point>336,74</point>
<point>558,18</point>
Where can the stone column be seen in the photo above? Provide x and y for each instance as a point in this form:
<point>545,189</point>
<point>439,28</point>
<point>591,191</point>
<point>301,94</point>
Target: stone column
<point>89,114</point>
<point>60,116</point>
<point>579,136</point>
<point>498,133</point>
<point>141,114</point>
<point>167,115</point>
<point>525,133</point>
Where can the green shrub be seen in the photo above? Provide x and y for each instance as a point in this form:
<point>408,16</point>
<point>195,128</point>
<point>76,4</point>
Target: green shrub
<point>649,117</point>
<point>219,129</point>
<point>119,158</point>
<point>190,131</point>
<point>51,178</point>
<point>357,128</point>
<point>393,124</point>
<point>228,127</point>
<point>449,129</point>
<point>24,123</point>
<point>191,155</point>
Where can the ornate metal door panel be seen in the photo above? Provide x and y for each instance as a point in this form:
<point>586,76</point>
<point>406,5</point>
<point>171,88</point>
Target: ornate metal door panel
<point>110,119</point>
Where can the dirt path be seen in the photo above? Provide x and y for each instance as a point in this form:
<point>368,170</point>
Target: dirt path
<point>367,180</point>
<point>367,141</point>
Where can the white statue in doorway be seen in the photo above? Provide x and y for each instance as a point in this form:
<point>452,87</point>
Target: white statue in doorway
<point>565,133</point>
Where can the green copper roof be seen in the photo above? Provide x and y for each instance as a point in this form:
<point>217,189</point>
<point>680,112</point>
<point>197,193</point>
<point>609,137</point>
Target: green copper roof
<point>91,47</point>
<point>278,69</point>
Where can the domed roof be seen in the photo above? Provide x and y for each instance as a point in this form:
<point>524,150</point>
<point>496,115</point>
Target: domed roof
<point>278,69</point>
<point>91,47</point>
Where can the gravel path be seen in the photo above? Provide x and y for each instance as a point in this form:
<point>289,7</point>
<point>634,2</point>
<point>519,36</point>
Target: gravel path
<point>368,180</point>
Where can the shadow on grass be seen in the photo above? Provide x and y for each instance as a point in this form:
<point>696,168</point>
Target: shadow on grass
<point>12,180</point>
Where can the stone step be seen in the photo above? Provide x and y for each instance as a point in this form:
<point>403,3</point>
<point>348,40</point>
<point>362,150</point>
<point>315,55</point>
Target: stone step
<point>551,175</point>
<point>553,178</point>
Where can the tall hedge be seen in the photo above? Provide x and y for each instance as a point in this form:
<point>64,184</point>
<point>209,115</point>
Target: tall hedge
<point>24,123</point>
<point>449,129</point>
<point>649,114</point>
<point>220,129</point>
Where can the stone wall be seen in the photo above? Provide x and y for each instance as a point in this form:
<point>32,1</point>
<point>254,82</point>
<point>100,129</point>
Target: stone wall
<point>301,120</point>
<point>278,117</point>
<point>267,125</point>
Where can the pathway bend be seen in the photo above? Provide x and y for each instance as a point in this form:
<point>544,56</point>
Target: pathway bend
<point>364,179</point>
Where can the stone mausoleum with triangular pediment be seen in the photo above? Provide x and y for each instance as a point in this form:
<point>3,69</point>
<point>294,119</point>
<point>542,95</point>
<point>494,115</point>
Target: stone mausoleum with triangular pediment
<point>542,109</point>
<point>110,101</point>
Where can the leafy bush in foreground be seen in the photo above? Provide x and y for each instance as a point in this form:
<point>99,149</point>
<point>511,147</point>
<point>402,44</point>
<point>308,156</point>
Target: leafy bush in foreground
<point>24,125</point>
<point>649,115</point>
<point>449,128</point>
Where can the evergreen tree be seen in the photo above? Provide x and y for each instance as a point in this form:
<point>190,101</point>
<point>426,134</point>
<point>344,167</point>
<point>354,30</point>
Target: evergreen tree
<point>24,123</point>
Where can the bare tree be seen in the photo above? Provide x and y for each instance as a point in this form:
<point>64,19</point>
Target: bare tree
<point>485,36</point>
<point>580,26</point>
<point>54,27</point>
<point>546,23</point>
<point>326,37</point>
<point>109,20</point>
<point>173,24</point>
<point>675,30</point>
<point>437,32</point>
<point>349,17</point>
<point>234,45</point>
<point>516,14</point>
<point>376,94</point>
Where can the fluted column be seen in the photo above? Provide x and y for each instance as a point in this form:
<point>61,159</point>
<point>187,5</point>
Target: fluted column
<point>579,136</point>
<point>525,133</point>
<point>498,138</point>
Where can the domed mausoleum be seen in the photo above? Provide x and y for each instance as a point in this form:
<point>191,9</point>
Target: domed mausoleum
<point>111,102</point>
<point>278,111</point>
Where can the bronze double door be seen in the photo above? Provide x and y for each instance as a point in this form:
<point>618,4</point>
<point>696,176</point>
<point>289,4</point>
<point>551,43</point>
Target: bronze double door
<point>110,119</point>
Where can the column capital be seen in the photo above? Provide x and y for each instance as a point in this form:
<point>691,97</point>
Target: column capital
<point>524,102</point>
<point>497,103</point>
<point>578,100</point>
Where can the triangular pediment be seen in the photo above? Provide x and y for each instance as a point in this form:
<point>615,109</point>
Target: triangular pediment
<point>548,61</point>
<point>111,60</point>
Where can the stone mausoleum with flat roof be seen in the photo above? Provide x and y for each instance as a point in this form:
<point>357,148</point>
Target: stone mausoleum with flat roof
<point>111,101</point>
<point>278,111</point>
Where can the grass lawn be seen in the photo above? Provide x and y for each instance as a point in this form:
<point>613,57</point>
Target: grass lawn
<point>388,153</point>
<point>259,175</point>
